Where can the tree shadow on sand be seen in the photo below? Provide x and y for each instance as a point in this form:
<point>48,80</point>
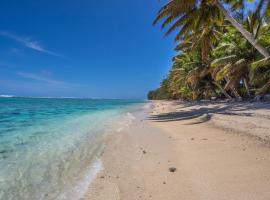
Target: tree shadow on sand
<point>204,113</point>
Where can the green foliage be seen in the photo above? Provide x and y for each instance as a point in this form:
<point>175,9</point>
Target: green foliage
<point>214,59</point>
<point>160,93</point>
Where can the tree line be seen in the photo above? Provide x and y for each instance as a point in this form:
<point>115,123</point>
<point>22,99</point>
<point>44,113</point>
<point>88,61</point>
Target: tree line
<point>222,49</point>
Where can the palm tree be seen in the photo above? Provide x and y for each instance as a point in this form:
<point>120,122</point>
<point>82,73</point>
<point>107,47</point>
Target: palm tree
<point>178,11</point>
<point>234,56</point>
<point>249,37</point>
<point>191,78</point>
<point>198,29</point>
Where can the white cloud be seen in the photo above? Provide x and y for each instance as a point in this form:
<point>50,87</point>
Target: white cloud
<point>44,79</point>
<point>27,42</point>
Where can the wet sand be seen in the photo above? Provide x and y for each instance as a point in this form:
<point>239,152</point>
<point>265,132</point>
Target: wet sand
<point>218,150</point>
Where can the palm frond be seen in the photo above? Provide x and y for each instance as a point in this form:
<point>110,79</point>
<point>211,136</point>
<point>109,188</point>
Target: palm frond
<point>261,63</point>
<point>223,60</point>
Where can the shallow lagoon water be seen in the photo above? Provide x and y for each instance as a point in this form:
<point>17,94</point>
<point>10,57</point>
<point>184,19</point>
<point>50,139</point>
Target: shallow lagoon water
<point>49,148</point>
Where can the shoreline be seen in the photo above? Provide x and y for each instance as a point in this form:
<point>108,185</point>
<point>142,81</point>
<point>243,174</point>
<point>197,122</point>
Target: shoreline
<point>49,147</point>
<point>211,162</point>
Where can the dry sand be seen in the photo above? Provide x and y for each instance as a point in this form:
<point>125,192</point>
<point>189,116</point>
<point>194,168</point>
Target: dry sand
<point>219,150</point>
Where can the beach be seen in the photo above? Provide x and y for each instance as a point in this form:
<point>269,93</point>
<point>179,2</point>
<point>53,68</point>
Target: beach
<point>95,103</point>
<point>188,150</point>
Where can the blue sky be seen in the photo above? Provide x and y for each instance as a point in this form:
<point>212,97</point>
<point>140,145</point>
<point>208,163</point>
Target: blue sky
<point>83,48</point>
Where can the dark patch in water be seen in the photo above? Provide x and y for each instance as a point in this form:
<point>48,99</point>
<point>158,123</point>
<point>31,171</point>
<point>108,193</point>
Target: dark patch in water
<point>22,144</point>
<point>5,151</point>
<point>4,120</point>
<point>15,113</point>
<point>39,132</point>
<point>10,129</point>
<point>2,133</point>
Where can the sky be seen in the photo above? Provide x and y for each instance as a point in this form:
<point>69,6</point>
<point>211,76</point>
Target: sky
<point>82,48</point>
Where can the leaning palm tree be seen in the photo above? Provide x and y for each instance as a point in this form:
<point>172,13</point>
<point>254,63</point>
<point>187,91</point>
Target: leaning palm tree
<point>177,11</point>
<point>235,60</point>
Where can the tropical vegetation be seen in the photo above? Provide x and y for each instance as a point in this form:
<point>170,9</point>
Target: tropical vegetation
<point>222,49</point>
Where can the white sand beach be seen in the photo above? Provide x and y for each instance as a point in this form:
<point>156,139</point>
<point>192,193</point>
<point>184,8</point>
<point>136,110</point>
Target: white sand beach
<point>219,151</point>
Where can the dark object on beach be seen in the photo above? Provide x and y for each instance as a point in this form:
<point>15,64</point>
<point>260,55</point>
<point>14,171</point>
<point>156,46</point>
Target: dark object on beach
<point>192,139</point>
<point>102,177</point>
<point>172,169</point>
<point>144,152</point>
<point>164,182</point>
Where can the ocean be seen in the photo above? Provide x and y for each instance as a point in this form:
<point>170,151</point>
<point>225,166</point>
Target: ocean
<point>50,148</point>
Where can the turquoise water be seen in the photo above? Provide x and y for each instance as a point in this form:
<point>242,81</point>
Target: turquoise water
<point>49,148</point>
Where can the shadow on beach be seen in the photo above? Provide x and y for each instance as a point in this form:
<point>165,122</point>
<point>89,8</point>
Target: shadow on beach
<point>204,110</point>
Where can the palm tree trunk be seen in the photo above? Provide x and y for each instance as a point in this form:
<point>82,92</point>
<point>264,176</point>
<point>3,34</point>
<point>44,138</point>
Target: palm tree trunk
<point>264,89</point>
<point>234,91</point>
<point>247,87</point>
<point>222,90</point>
<point>242,30</point>
<point>232,88</point>
<point>205,46</point>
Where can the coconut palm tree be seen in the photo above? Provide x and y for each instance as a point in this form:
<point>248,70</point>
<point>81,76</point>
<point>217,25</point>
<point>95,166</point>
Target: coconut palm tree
<point>214,58</point>
<point>183,12</point>
<point>203,39</point>
<point>235,59</point>
<point>198,28</point>
<point>191,78</point>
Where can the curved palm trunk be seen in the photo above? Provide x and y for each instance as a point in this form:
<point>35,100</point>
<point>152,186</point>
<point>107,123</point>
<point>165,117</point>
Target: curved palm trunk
<point>222,90</point>
<point>232,88</point>
<point>236,94</point>
<point>205,46</point>
<point>263,90</point>
<point>242,30</point>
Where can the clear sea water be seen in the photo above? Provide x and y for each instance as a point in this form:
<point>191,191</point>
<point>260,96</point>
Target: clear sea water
<point>49,148</point>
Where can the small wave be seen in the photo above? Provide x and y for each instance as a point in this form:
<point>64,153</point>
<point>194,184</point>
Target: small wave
<point>147,106</point>
<point>82,188</point>
<point>6,96</point>
<point>119,129</point>
<point>130,116</point>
